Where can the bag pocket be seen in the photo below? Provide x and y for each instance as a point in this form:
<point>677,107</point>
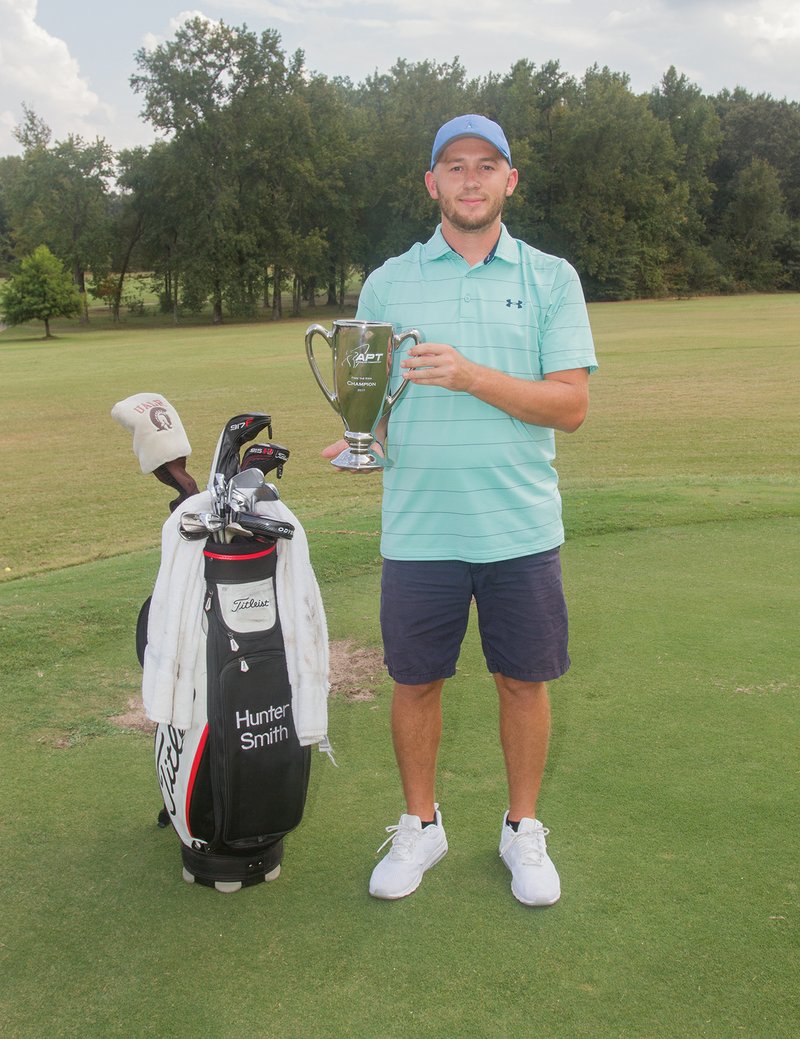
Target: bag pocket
<point>262,771</point>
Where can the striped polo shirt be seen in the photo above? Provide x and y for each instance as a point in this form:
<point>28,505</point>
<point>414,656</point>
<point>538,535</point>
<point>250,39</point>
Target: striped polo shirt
<point>464,480</point>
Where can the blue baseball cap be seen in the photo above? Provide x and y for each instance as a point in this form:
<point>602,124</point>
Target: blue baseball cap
<point>470,126</point>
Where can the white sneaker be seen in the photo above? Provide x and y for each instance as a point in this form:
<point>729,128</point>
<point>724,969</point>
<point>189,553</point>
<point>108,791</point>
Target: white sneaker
<point>534,880</point>
<point>414,849</point>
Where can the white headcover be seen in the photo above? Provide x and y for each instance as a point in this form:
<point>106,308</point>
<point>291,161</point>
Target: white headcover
<point>158,433</point>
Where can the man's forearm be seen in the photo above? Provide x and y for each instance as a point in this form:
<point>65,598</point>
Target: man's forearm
<point>559,401</point>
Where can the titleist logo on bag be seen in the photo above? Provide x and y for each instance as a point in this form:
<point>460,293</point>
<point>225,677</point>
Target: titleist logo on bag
<point>248,607</point>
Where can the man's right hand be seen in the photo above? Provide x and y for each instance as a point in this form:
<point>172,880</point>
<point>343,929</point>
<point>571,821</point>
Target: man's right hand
<point>332,450</point>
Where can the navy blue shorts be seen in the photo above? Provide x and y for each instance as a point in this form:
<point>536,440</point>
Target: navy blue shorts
<point>522,617</point>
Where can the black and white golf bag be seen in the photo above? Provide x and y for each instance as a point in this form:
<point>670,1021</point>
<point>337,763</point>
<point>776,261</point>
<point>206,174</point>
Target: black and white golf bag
<point>234,784</point>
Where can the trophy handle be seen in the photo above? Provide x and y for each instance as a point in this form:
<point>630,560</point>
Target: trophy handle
<point>391,398</point>
<point>312,331</point>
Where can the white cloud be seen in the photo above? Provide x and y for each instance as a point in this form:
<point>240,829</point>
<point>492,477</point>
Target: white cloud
<point>279,12</point>
<point>38,70</point>
<point>716,42</point>
<point>772,22</point>
<point>450,15</point>
<point>152,40</point>
<point>632,16</point>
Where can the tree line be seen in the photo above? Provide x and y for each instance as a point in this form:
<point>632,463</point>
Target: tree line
<point>268,179</point>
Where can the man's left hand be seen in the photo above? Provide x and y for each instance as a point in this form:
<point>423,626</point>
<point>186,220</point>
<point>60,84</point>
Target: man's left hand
<point>438,364</point>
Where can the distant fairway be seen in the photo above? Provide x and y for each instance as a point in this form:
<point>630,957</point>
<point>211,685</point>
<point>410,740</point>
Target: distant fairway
<point>671,793</point>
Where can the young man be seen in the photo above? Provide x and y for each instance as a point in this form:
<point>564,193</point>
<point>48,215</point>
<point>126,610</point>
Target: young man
<point>470,504</point>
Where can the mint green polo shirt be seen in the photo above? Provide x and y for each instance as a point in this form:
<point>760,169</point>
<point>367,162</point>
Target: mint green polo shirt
<point>464,480</point>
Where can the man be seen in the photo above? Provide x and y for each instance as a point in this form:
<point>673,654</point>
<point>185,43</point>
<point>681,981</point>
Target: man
<point>470,505</point>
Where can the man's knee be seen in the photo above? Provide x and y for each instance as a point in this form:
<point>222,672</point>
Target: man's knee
<point>419,693</point>
<point>516,689</point>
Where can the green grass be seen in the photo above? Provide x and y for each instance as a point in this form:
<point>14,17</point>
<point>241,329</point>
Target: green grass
<point>671,791</point>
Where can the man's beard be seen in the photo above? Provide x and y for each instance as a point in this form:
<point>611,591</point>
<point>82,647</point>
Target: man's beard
<point>463,222</point>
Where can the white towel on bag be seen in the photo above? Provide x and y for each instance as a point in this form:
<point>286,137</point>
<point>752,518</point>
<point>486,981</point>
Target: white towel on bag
<point>175,657</point>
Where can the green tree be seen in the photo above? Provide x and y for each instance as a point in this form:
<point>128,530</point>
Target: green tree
<point>755,130</point>
<point>59,196</point>
<point>400,114</point>
<point>42,289</point>
<point>758,127</point>
<point>150,181</point>
<point>9,167</point>
<point>617,200</point>
<point>754,225</point>
<point>530,103</point>
<point>696,131</point>
<point>208,87</point>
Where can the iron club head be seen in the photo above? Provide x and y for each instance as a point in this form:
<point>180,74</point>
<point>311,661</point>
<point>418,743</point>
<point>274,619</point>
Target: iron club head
<point>196,525</point>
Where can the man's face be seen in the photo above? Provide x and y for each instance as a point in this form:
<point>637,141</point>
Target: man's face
<point>471,181</point>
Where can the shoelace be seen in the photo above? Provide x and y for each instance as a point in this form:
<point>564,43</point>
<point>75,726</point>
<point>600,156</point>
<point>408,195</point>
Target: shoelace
<point>531,845</point>
<point>403,838</point>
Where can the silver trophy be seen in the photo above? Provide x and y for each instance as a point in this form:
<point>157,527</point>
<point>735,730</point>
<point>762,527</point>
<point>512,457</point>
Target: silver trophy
<point>362,352</point>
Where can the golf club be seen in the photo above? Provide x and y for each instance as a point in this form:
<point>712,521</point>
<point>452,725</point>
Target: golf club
<point>242,488</point>
<point>236,530</point>
<point>196,525</point>
<point>266,457</point>
<point>265,527</point>
<point>235,432</point>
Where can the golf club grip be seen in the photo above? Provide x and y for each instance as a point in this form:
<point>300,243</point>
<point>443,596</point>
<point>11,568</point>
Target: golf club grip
<point>278,529</point>
<point>265,526</point>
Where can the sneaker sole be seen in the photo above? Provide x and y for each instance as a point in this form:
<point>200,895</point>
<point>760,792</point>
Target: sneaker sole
<point>539,905</point>
<point>524,901</point>
<point>413,888</point>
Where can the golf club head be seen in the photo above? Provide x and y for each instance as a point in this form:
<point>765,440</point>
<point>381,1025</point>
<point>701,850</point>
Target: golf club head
<point>246,480</point>
<point>266,457</point>
<point>236,530</point>
<point>235,432</point>
<point>240,501</point>
<point>265,527</point>
<point>219,486</point>
<point>193,535</point>
<point>242,488</point>
<point>196,525</point>
<point>269,492</point>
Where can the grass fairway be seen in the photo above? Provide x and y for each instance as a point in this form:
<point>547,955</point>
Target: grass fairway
<point>671,794</point>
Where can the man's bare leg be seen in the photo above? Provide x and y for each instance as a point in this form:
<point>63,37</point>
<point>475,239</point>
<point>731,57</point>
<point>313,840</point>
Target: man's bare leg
<point>524,733</point>
<point>524,736</point>
<point>416,732</point>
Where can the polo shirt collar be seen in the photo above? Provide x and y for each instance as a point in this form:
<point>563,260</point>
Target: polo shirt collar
<point>436,247</point>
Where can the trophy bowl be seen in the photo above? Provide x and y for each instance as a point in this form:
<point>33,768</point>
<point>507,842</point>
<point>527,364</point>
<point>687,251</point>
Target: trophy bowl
<point>361,352</point>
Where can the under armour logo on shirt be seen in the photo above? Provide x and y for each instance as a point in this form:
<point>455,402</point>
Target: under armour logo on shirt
<point>511,303</point>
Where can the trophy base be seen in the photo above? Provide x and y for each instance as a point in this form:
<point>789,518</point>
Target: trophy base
<point>358,463</point>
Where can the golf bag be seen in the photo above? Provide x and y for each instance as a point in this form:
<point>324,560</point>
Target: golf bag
<point>234,784</point>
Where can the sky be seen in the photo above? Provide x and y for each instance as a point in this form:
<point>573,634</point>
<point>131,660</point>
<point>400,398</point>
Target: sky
<point>71,60</point>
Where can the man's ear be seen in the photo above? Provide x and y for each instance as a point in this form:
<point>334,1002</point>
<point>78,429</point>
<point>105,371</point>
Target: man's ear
<point>511,183</point>
<point>430,184</point>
